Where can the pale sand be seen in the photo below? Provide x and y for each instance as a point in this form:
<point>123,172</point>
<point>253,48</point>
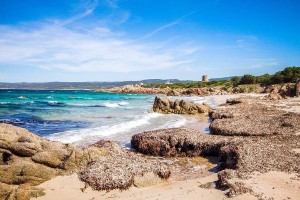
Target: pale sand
<point>221,99</point>
<point>271,185</point>
<point>70,188</point>
<point>274,185</point>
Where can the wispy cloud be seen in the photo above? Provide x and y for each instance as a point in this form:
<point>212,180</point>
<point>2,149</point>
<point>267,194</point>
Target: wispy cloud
<point>112,3</point>
<point>97,49</point>
<point>161,28</point>
<point>169,25</point>
<point>87,6</point>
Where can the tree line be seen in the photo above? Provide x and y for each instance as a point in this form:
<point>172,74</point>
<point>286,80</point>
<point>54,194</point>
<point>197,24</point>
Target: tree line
<point>288,75</point>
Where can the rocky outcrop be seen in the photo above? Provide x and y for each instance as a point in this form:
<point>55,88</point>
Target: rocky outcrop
<point>272,141</point>
<point>173,93</point>
<point>167,106</point>
<point>26,159</point>
<point>122,169</point>
<point>245,154</point>
<point>136,89</point>
<point>277,92</point>
<point>253,119</point>
<point>175,142</point>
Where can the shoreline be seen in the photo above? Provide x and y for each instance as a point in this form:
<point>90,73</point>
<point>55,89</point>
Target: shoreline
<point>179,185</point>
<point>192,178</point>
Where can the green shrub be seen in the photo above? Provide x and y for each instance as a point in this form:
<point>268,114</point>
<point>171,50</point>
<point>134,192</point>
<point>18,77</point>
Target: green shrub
<point>247,79</point>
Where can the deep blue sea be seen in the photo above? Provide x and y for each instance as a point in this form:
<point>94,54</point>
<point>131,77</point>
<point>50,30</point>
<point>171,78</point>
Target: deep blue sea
<point>83,116</point>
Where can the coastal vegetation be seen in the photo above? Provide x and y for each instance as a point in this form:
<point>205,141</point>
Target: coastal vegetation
<point>288,75</point>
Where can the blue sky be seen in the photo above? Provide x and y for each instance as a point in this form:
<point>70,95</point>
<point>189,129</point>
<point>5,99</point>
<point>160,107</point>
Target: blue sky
<point>112,40</point>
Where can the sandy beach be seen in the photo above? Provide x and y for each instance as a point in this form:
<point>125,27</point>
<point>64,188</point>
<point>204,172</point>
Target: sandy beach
<point>272,185</point>
<point>69,187</point>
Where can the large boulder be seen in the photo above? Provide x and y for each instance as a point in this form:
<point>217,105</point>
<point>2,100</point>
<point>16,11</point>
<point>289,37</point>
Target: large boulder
<point>121,169</point>
<point>173,93</point>
<point>26,158</point>
<point>175,142</point>
<point>167,106</point>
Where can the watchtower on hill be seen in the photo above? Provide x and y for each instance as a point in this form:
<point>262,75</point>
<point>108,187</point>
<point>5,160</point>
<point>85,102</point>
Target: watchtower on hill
<point>204,78</point>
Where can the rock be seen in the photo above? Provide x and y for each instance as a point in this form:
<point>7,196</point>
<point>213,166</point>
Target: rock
<point>274,136</point>
<point>274,96</point>
<point>21,172</point>
<point>278,92</point>
<point>173,93</point>
<point>29,159</point>
<point>234,101</point>
<point>24,148</point>
<point>138,89</point>
<point>297,89</point>
<point>122,169</point>
<point>253,120</point>
<point>167,106</point>
<point>21,192</point>
<point>50,159</point>
<point>174,142</point>
<point>6,191</point>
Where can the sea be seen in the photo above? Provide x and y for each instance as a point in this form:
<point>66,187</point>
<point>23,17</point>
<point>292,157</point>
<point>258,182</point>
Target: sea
<point>84,117</point>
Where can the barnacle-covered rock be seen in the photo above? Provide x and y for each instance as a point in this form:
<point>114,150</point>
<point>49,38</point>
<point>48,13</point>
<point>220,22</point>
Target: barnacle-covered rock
<point>122,169</point>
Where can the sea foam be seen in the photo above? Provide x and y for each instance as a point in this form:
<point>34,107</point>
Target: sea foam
<point>102,131</point>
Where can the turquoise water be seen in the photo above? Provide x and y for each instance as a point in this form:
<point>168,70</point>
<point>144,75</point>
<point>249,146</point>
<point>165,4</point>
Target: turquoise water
<point>82,116</point>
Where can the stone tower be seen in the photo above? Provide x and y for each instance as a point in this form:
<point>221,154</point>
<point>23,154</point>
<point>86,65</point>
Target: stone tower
<point>205,78</point>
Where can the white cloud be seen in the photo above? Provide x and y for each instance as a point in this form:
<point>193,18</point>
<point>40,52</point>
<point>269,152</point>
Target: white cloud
<point>161,29</point>
<point>169,25</point>
<point>54,45</point>
<point>97,49</point>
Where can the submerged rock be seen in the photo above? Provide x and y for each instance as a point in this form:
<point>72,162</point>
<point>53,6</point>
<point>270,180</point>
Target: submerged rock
<point>167,106</point>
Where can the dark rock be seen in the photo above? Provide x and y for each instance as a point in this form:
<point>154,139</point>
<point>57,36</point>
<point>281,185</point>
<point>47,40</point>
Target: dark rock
<point>178,142</point>
<point>234,101</point>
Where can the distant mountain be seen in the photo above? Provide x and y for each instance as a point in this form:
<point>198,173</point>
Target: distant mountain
<point>81,85</point>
